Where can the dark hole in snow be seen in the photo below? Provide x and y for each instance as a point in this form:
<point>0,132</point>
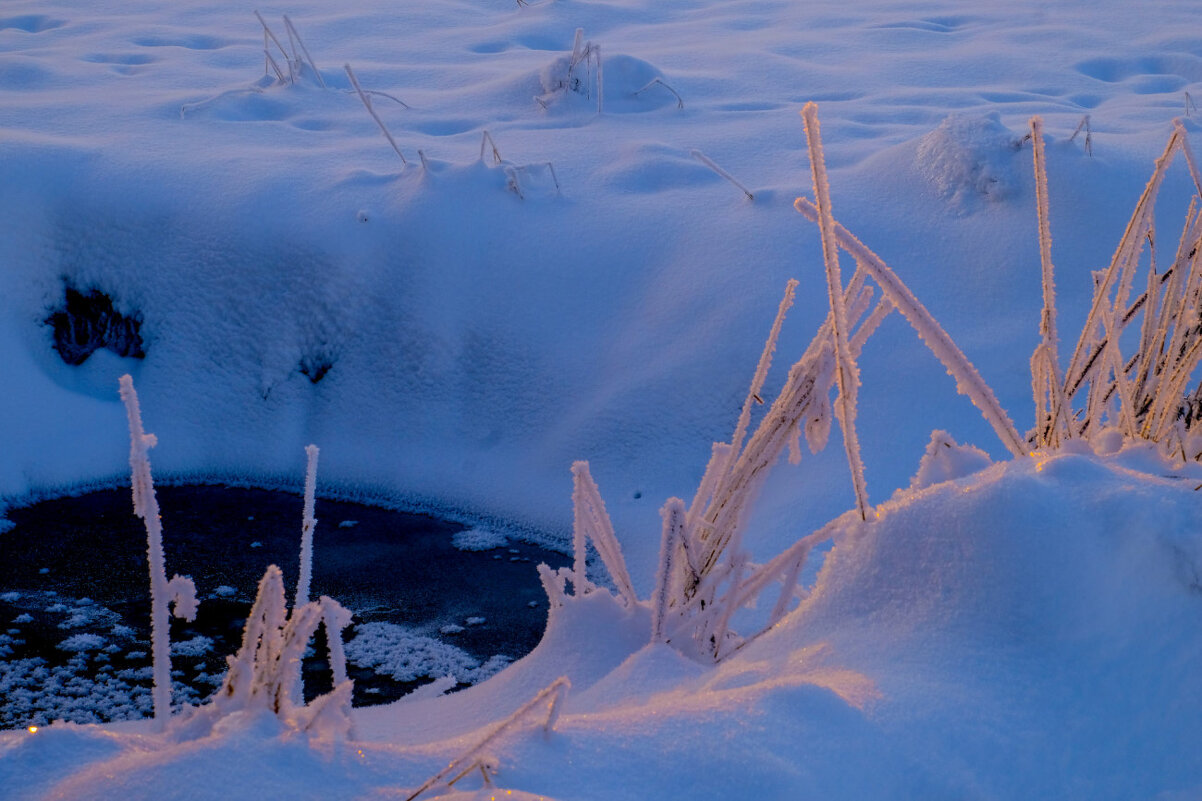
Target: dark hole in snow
<point>315,367</point>
<point>88,322</point>
<point>391,569</point>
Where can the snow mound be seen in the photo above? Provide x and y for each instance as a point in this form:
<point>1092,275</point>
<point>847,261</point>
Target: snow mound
<point>969,159</point>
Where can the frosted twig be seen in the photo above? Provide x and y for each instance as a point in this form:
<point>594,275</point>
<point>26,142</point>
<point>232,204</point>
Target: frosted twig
<point>162,592</point>
<point>757,380</point>
<point>1049,358</point>
<point>188,108</point>
<point>421,154</point>
<point>307,526</point>
<point>1189,155</point>
<point>660,82</point>
<point>1047,322</point>
<point>707,161</point>
<point>513,183</point>
<point>968,381</point>
<point>487,140</point>
<point>335,617</point>
<point>578,50</point>
<point>673,514</point>
<point>268,32</point>
<point>580,533</point>
<point>553,695</point>
<point>367,104</point>
<point>1134,232</point>
<point>292,32</point>
<point>1189,105</point>
<point>553,584</point>
<point>788,586</point>
<point>279,74</point>
<point>846,373</point>
<point>378,93</point>
<point>600,79</point>
<point>1083,125</point>
<point>884,308</point>
<point>590,509</point>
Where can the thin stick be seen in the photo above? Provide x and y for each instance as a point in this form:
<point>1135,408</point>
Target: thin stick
<point>367,104</point>
<point>309,522</point>
<point>1084,125</point>
<point>283,52</point>
<point>487,140</point>
<point>554,692</point>
<point>846,374</point>
<point>293,32</point>
<point>704,159</point>
<point>658,81</point>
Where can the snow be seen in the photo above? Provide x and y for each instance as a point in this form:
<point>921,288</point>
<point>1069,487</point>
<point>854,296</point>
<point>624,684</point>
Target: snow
<point>595,284</point>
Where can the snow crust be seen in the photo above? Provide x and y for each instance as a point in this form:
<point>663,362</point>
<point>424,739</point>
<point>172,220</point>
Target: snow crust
<point>455,334</point>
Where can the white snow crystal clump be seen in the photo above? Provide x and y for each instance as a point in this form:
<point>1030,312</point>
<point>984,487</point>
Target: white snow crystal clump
<point>197,646</point>
<point>82,642</point>
<point>407,656</point>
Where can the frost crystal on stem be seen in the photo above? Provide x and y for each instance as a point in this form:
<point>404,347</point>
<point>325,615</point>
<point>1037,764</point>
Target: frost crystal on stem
<point>180,589</point>
<point>847,376</point>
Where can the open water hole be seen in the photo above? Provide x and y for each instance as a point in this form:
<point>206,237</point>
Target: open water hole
<point>75,605</point>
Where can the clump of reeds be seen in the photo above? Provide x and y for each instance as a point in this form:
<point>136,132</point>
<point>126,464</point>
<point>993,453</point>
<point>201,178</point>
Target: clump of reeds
<point>1143,393</point>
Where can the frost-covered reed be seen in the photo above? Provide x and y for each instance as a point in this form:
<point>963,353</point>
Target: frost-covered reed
<point>265,673</point>
<point>704,576</point>
<point>1143,395</point>
<point>476,758</point>
<point>707,161</point>
<point>179,591</point>
<point>308,523</point>
<point>366,98</point>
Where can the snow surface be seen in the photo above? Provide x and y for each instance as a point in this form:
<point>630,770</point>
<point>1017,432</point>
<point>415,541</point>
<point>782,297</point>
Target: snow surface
<point>1029,630</point>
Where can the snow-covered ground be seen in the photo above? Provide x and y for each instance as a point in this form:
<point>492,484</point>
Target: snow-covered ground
<point>454,332</point>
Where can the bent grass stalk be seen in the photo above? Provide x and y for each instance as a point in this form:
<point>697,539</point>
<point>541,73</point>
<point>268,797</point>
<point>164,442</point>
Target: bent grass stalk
<point>367,104</point>
<point>707,161</point>
<point>847,375</point>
